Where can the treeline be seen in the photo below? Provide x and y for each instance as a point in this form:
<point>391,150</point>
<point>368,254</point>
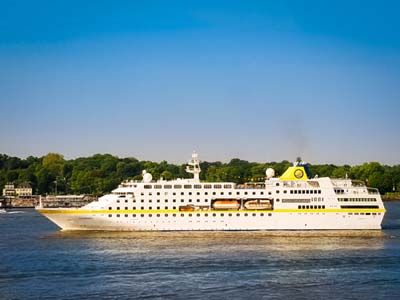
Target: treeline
<point>100,173</point>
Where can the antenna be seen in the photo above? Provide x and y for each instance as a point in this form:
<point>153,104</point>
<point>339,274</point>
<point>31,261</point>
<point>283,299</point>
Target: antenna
<point>194,166</point>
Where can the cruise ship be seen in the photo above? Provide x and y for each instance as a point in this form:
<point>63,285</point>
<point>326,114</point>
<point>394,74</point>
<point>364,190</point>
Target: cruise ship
<point>293,201</point>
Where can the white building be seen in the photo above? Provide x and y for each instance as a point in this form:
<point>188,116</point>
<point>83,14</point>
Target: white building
<point>9,190</point>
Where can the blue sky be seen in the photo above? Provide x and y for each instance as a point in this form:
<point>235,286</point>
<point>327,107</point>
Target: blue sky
<point>258,80</point>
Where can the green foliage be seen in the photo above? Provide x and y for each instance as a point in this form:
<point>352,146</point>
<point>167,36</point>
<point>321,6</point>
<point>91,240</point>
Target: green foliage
<point>100,173</point>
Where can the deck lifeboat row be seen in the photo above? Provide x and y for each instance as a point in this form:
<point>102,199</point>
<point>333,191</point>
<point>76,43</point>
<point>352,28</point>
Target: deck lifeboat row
<point>250,204</point>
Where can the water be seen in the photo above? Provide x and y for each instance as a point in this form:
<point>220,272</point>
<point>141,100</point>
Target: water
<point>39,262</point>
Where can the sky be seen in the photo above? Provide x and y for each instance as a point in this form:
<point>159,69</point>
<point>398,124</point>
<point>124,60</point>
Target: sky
<point>155,80</point>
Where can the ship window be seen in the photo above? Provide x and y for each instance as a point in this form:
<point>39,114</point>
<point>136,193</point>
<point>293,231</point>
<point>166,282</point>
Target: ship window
<point>254,214</point>
<point>214,193</point>
<point>158,215</point>
<point>197,186</point>
<point>307,207</point>
<point>166,215</point>
<point>167,186</point>
<point>230,215</point>
<point>227,186</point>
<point>166,200</point>
<point>177,186</point>
<point>182,193</point>
<point>277,200</point>
<point>158,193</point>
<point>187,186</point>
<point>190,193</point>
<point>182,215</point>
<point>262,214</point>
<point>319,191</point>
<point>198,193</point>
<point>246,214</point>
<point>157,186</point>
<point>174,207</point>
<point>174,215</point>
<point>319,206</point>
<point>147,186</point>
<point>237,193</point>
<point>307,191</point>
<point>150,201</point>
<point>126,208</point>
<point>118,215</point>
<point>182,200</point>
<point>174,194</point>
<point>277,184</point>
<point>262,193</point>
<point>150,194</point>
<point>214,215</point>
<point>158,200</point>
<point>277,191</point>
<point>173,200</point>
<point>150,215</point>
<point>117,201</point>
<point>190,200</point>
<point>238,215</point>
<point>254,193</point>
<point>158,207</point>
<point>222,193</point>
<point>205,200</point>
<point>126,215</point>
<point>134,201</point>
<point>142,207</point>
<point>141,194</point>
<point>269,215</point>
<point>205,193</point>
<point>142,200</point>
<point>110,215</point>
<point>207,186</point>
<point>134,215</point>
<point>323,206</point>
<point>166,207</point>
<point>150,207</point>
<point>206,215</point>
<point>110,208</point>
<point>285,191</point>
<point>299,207</point>
<point>117,208</point>
<point>198,200</point>
<point>134,207</point>
<point>245,193</point>
<point>198,215</point>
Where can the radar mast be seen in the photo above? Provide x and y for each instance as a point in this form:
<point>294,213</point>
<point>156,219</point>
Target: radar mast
<point>194,167</point>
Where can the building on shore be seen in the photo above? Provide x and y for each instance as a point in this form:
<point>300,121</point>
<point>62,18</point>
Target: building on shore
<point>24,190</point>
<point>9,190</point>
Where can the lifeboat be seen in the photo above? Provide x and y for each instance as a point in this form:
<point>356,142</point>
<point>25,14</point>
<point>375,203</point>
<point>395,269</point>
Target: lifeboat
<point>258,204</point>
<point>226,204</point>
<point>186,208</point>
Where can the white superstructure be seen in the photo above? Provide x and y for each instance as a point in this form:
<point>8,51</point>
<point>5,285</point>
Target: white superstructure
<point>293,201</point>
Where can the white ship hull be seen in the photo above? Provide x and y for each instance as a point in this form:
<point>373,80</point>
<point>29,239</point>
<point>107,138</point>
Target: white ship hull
<point>267,220</point>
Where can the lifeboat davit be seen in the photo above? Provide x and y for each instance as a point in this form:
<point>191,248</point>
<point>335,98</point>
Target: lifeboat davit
<point>226,204</point>
<point>258,204</point>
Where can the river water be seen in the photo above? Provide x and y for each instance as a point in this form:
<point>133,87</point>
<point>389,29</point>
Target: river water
<point>37,261</point>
